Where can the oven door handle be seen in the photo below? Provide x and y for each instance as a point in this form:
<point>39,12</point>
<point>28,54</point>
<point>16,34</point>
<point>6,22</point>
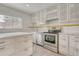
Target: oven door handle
<point>45,37</point>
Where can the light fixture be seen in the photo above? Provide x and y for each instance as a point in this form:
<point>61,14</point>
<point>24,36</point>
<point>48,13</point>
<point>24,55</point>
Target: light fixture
<point>27,5</point>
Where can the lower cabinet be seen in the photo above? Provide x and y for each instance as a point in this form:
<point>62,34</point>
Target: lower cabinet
<point>74,45</point>
<point>69,45</point>
<point>19,46</point>
<point>63,44</point>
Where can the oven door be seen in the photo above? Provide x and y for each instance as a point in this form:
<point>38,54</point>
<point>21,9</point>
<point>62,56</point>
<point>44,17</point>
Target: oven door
<point>50,39</point>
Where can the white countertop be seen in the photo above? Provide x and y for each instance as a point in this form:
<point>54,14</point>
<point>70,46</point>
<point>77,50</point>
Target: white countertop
<point>2,35</point>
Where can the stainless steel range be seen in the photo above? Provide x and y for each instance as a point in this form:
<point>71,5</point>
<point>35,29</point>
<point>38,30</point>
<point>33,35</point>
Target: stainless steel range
<point>51,40</point>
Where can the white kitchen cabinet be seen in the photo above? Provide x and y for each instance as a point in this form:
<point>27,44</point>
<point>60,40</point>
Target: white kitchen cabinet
<point>42,16</point>
<point>39,17</point>
<point>69,44</point>
<point>63,44</point>
<point>74,13</point>
<point>69,13</point>
<point>63,13</point>
<point>36,18</point>
<point>74,45</point>
<point>52,12</point>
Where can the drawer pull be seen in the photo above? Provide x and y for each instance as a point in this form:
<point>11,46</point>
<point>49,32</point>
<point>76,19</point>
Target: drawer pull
<point>2,42</point>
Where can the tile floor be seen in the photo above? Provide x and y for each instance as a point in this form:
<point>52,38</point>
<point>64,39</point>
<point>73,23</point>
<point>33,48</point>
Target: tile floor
<point>40,51</point>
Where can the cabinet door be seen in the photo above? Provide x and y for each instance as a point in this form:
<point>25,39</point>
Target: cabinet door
<point>63,44</point>
<point>74,45</point>
<point>77,38</point>
<point>52,12</point>
<point>63,13</point>
<point>42,17</point>
<point>74,13</point>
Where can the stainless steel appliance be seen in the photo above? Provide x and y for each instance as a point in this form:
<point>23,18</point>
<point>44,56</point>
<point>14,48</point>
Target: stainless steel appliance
<point>51,40</point>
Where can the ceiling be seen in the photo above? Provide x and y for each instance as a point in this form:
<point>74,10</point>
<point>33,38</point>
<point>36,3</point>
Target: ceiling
<point>32,8</point>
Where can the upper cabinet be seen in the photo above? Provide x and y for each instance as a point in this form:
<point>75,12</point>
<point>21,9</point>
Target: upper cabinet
<point>42,17</point>
<point>74,12</point>
<point>52,12</point>
<point>63,11</point>
<point>39,17</point>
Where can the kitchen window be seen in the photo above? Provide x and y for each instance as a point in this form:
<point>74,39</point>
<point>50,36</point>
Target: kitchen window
<point>10,22</point>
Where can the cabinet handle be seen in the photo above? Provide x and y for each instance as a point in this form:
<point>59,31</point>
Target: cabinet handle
<point>2,42</point>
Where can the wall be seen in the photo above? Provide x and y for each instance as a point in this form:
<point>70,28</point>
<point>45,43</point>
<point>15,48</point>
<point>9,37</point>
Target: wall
<point>12,12</point>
